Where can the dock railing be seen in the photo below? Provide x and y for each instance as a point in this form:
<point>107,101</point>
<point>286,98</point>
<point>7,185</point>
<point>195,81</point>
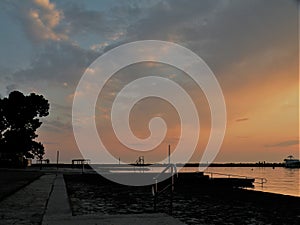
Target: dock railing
<point>257,180</point>
<point>173,170</point>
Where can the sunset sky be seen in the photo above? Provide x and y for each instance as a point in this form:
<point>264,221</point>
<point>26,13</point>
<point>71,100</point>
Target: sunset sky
<point>251,47</point>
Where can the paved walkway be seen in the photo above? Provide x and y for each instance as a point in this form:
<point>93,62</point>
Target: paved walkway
<point>58,206</point>
<point>46,201</point>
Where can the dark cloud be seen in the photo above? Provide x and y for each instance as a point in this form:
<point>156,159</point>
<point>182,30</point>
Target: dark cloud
<point>57,126</point>
<point>11,87</point>
<point>167,18</point>
<point>58,57</point>
<point>58,62</point>
<point>62,110</point>
<point>284,143</point>
<point>79,20</point>
<point>61,107</point>
<point>224,33</point>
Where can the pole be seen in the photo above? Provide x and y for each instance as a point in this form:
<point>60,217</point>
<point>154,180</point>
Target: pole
<point>172,181</point>
<point>57,158</point>
<point>172,189</point>
<point>169,153</point>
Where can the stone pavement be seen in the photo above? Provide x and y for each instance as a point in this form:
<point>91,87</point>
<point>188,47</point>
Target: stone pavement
<point>46,201</point>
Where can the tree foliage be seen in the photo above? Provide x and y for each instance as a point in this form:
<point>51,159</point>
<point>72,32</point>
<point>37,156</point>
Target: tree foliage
<point>19,116</point>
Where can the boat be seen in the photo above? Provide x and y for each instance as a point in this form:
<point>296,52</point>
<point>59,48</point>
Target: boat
<point>291,162</point>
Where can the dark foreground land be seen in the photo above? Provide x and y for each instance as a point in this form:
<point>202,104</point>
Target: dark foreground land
<point>13,180</point>
<point>192,203</point>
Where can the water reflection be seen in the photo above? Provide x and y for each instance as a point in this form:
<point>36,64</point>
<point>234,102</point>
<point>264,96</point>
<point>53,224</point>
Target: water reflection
<point>280,180</point>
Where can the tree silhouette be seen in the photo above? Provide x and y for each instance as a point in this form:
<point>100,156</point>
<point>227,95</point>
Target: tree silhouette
<point>19,116</point>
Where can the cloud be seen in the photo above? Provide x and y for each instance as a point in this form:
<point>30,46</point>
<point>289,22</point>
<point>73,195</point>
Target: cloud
<point>50,143</point>
<point>56,126</point>
<point>62,110</point>
<point>107,24</point>
<point>60,55</point>
<point>284,143</point>
<point>42,20</point>
<point>167,18</point>
<point>242,119</point>
<point>79,20</point>
<point>211,29</point>
<point>61,62</point>
<point>11,87</point>
<point>39,19</point>
<point>100,46</point>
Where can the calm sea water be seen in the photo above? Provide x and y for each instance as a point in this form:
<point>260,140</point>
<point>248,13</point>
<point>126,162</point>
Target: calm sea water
<point>279,180</point>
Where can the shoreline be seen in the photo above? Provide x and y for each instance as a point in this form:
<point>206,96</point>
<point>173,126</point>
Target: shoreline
<point>275,193</point>
<point>192,204</point>
<point>78,170</point>
<point>278,180</point>
<point>69,165</point>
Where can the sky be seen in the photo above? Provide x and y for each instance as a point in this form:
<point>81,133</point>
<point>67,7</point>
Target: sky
<point>252,47</point>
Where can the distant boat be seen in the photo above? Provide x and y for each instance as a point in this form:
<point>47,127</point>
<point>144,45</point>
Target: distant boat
<point>291,162</point>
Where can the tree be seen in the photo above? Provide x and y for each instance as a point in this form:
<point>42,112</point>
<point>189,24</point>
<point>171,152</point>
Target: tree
<point>19,116</point>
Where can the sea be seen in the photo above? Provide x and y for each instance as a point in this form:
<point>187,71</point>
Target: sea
<point>278,179</point>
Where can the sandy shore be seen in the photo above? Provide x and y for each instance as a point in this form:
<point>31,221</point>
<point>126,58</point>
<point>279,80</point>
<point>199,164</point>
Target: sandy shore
<point>193,204</point>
